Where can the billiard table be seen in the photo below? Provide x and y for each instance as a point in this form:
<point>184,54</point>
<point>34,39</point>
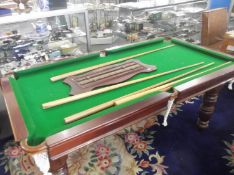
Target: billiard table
<point>40,129</point>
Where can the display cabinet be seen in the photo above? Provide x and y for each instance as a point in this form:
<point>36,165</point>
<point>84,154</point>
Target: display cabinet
<point>31,38</point>
<point>142,21</point>
<point>88,26</point>
<point>102,18</point>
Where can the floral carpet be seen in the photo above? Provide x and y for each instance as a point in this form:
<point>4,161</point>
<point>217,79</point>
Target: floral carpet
<point>147,147</point>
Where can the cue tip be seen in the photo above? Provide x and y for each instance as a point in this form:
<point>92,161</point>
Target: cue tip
<point>53,79</point>
<point>46,105</point>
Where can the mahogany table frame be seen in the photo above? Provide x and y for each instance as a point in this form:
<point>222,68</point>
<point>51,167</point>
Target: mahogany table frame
<point>61,144</point>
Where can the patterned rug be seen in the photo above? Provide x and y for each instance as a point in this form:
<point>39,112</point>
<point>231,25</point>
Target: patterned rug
<point>147,148</point>
<point>230,154</point>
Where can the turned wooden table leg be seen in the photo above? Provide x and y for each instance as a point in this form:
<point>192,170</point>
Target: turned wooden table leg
<point>208,106</point>
<point>59,166</point>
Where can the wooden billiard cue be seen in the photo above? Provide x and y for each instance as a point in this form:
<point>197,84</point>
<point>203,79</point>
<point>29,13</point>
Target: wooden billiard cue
<point>115,101</point>
<point>62,76</point>
<point>138,95</point>
<point>104,106</point>
<point>172,79</point>
<point>109,88</point>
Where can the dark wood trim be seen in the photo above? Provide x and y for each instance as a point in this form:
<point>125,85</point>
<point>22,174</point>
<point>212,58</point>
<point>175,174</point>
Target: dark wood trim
<point>208,107</point>
<point>17,123</point>
<point>69,140</point>
<point>59,166</point>
<point>204,83</point>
